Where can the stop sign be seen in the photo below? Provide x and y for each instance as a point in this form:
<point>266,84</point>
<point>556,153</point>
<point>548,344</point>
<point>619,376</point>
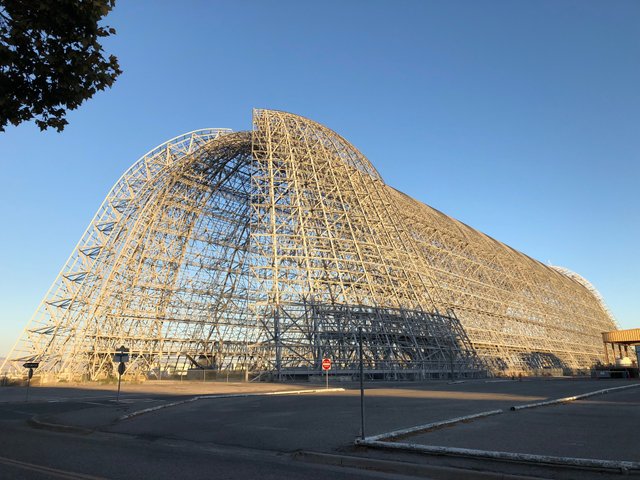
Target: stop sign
<point>326,364</point>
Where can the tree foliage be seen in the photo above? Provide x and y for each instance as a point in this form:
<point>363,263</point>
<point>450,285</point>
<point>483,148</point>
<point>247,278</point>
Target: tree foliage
<point>50,58</point>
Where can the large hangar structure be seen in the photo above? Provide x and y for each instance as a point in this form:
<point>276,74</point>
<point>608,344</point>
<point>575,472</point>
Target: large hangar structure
<point>269,249</point>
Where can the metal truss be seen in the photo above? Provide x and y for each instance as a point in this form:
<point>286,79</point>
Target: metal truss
<point>267,250</point>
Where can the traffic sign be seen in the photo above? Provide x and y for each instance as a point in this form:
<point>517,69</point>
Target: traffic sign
<point>121,355</point>
<point>30,366</point>
<point>326,364</point>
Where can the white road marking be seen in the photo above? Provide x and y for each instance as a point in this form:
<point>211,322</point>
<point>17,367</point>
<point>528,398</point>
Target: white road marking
<point>54,472</point>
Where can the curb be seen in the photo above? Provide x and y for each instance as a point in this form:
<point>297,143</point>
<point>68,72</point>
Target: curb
<point>573,398</point>
<point>622,466</point>
<point>427,426</point>
<point>233,395</point>
<point>403,468</point>
<point>378,441</point>
<point>57,427</point>
<point>453,421</point>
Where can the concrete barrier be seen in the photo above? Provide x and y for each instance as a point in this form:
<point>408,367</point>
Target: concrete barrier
<point>430,426</point>
<point>573,398</point>
<point>622,466</point>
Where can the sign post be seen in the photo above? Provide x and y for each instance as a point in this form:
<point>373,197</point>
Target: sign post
<point>361,383</point>
<point>121,356</point>
<point>30,366</point>
<point>326,366</point>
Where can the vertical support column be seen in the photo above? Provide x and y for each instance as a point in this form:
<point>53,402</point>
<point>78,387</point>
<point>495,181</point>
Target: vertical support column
<point>317,347</point>
<point>606,353</point>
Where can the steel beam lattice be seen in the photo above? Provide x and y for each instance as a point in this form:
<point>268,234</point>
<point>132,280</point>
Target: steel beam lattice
<point>266,250</point>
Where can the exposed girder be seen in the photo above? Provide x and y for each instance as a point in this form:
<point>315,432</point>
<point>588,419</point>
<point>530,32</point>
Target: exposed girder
<point>266,250</point>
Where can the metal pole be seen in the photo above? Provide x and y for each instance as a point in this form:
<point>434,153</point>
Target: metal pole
<point>119,379</point>
<point>276,326</point>
<point>361,385</point>
<point>28,383</point>
<point>327,379</point>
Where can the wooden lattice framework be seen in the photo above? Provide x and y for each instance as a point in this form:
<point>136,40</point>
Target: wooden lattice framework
<point>266,250</point>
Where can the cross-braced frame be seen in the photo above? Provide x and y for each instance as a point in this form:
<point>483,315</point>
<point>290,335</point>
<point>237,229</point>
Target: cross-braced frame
<point>267,250</point>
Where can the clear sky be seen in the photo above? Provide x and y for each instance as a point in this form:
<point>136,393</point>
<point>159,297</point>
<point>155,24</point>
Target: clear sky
<point>521,119</point>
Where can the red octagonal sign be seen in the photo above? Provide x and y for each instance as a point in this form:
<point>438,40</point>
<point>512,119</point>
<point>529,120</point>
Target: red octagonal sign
<point>326,364</point>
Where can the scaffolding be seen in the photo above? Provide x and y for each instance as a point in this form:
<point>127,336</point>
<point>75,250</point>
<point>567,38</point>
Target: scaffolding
<point>266,250</point>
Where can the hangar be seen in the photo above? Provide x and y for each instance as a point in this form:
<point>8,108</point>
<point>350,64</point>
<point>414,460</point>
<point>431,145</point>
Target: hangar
<point>266,250</point>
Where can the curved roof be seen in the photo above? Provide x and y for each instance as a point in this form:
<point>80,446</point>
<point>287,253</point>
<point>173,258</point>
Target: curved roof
<point>589,286</point>
<point>317,136</point>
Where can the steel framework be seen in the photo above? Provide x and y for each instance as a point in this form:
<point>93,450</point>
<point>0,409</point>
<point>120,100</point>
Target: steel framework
<point>266,250</point>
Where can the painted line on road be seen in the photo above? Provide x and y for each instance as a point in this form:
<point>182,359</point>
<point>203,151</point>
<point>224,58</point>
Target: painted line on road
<point>621,465</point>
<point>573,398</point>
<point>233,395</point>
<point>47,470</point>
<point>430,426</point>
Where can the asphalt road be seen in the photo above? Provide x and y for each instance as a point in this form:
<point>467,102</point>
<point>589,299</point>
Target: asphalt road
<point>255,437</point>
<point>31,453</point>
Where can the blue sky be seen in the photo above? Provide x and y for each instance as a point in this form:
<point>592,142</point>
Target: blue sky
<point>520,119</point>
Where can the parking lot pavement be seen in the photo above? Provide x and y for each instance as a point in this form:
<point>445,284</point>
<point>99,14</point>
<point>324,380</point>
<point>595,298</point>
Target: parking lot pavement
<point>331,421</point>
<point>600,427</point>
<point>328,422</point>
<point>322,422</point>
